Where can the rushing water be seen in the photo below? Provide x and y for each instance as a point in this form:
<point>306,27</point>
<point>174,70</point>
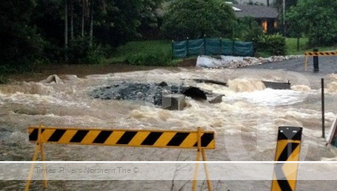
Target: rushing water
<point>246,121</point>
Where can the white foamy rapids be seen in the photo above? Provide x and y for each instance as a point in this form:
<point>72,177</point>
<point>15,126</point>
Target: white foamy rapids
<point>331,84</point>
<point>332,87</point>
<point>270,97</point>
<point>216,89</point>
<point>302,88</point>
<point>245,84</point>
<point>248,112</point>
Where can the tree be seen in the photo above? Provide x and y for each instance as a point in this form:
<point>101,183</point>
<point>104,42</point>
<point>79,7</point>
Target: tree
<point>42,30</point>
<point>151,19</point>
<point>247,29</point>
<point>316,19</point>
<point>196,18</point>
<point>19,43</point>
<point>122,19</point>
<point>288,3</point>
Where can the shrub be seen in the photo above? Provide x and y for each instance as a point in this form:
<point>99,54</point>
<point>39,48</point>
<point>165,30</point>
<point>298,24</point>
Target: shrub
<point>3,79</point>
<point>93,56</point>
<point>274,44</point>
<point>81,52</point>
<point>3,75</point>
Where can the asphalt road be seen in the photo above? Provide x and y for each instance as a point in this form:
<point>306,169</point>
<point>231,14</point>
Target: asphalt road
<point>327,65</point>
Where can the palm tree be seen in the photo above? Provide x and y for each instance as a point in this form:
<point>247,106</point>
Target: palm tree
<point>102,7</point>
<point>66,28</point>
<point>72,19</point>
<point>85,13</point>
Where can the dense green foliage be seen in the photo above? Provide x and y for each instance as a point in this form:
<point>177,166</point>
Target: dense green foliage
<point>80,51</point>
<point>288,3</point>
<point>273,44</point>
<point>196,18</point>
<point>87,31</point>
<point>73,31</point>
<point>19,42</point>
<point>317,20</point>
<point>247,29</point>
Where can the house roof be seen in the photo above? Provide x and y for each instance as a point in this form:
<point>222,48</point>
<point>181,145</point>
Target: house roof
<point>255,11</point>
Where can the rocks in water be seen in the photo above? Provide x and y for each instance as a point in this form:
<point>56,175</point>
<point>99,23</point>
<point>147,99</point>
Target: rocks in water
<point>151,93</point>
<point>162,84</point>
<point>52,78</point>
<point>170,97</point>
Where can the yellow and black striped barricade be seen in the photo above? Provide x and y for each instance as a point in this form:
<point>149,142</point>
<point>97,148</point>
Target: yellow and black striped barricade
<point>199,140</point>
<point>325,53</point>
<point>288,149</point>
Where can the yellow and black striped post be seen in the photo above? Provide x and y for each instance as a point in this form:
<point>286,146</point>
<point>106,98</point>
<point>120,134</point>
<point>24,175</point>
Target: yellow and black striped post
<point>288,149</point>
<point>325,53</point>
<point>199,140</point>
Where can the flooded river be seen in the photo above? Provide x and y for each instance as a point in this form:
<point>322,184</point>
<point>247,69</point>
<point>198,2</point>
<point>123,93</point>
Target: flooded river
<point>245,122</point>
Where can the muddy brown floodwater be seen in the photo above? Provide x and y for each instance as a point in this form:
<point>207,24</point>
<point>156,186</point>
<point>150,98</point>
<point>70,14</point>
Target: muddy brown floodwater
<point>245,122</point>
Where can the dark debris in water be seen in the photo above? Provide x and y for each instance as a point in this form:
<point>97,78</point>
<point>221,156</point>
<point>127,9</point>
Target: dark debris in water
<point>151,93</point>
<point>147,92</point>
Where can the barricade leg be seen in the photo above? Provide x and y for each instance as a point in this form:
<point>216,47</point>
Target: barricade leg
<point>43,167</point>
<point>38,147</point>
<point>195,179</point>
<point>306,63</point>
<point>200,152</point>
<point>206,170</point>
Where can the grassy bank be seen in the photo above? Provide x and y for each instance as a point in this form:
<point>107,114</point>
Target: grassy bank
<point>294,49</point>
<point>158,53</point>
<point>130,50</point>
<point>126,52</point>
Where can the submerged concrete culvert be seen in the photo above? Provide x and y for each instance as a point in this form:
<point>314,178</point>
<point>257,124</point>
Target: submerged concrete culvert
<point>195,93</point>
<point>277,85</point>
<point>173,102</point>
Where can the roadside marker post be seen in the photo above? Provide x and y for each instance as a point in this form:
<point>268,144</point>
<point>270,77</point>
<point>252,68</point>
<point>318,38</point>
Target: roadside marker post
<point>199,140</point>
<point>287,149</point>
